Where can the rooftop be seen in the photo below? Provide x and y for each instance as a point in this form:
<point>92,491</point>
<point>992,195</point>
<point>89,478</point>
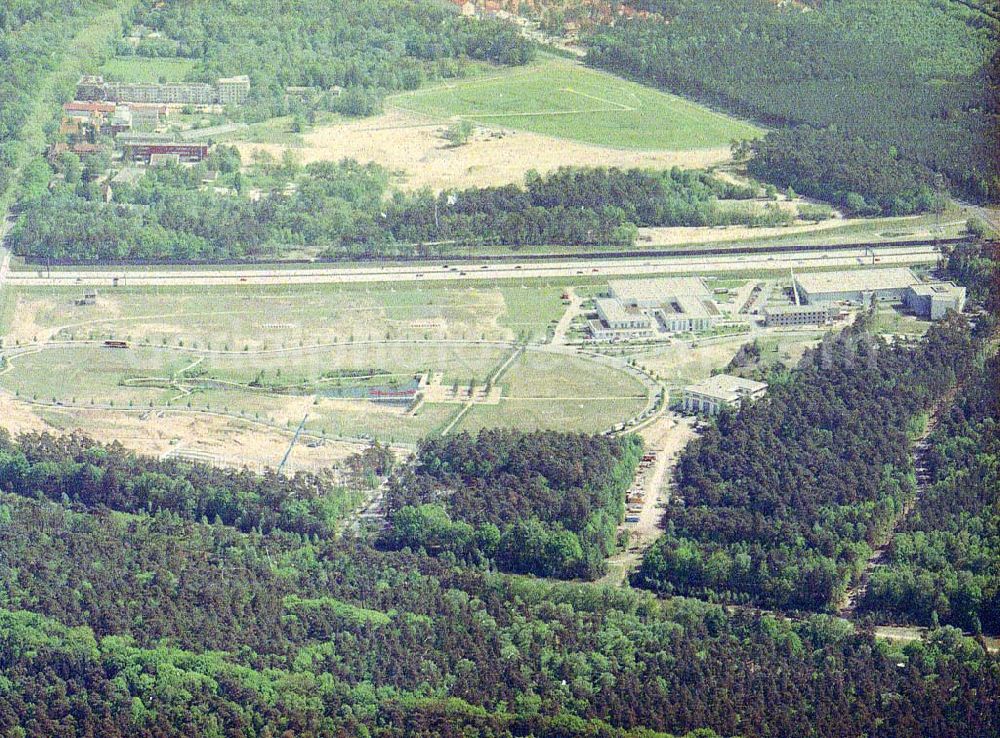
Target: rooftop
<point>856,280</point>
<point>727,387</point>
<point>793,309</point>
<point>657,290</point>
<point>614,312</point>
<point>935,288</point>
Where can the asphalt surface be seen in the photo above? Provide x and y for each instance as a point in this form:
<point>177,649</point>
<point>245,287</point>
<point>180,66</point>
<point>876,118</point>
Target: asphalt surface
<point>667,264</point>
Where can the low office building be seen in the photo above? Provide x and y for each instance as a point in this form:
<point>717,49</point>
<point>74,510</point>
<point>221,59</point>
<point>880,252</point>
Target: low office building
<point>617,322</point>
<point>933,300</point>
<point>145,148</point>
<point>678,304</point>
<point>721,390</point>
<point>783,316</point>
<point>856,286</point>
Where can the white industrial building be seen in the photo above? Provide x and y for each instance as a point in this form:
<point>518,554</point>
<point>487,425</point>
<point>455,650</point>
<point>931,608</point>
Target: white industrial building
<point>857,286</point>
<point>860,286</point>
<point>617,322</point>
<point>721,390</point>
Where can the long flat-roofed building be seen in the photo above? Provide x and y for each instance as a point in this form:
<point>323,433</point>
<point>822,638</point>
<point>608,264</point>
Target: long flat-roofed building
<point>856,286</point>
<point>651,293</point>
<point>721,390</point>
<point>782,316</point>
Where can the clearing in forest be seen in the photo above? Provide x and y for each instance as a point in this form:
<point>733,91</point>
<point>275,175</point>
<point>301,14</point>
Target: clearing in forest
<point>560,98</point>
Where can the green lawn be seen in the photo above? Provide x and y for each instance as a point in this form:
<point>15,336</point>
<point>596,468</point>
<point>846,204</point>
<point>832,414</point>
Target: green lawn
<point>142,69</point>
<point>540,390</point>
<point>562,98</point>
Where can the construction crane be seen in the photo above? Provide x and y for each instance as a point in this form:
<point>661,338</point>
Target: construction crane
<point>298,431</point>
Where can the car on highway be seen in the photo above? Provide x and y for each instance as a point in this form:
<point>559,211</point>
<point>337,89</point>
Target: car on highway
<point>517,266</point>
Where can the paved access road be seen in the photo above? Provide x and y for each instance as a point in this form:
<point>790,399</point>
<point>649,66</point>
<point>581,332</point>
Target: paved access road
<point>433,272</point>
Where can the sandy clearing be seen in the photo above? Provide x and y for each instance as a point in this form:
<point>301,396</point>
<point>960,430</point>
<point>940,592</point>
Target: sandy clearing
<point>231,441</point>
<point>411,145</point>
<point>685,234</point>
<point>666,437</point>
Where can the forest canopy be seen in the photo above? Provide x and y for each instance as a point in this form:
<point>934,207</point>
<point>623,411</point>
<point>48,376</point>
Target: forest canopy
<point>781,501</point>
<point>543,503</point>
<point>898,89</point>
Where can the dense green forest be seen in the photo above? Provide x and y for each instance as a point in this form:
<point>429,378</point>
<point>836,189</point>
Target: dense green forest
<point>944,562</point>
<point>542,503</point>
<point>364,48</point>
<point>32,36</point>
<point>346,209</point>
<point>877,95</point>
<point>779,502</point>
<point>75,469</point>
<point>118,624</point>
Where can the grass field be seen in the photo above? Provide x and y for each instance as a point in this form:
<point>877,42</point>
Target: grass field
<point>561,98</point>
<point>141,69</point>
<point>540,390</point>
<point>298,335</point>
<point>237,317</point>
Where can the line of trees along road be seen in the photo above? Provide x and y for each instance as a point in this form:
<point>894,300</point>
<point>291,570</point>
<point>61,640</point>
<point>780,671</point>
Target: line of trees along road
<point>883,93</point>
<point>33,34</point>
<point>346,209</point>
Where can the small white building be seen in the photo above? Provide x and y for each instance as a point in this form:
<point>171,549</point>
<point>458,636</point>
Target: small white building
<point>721,390</point>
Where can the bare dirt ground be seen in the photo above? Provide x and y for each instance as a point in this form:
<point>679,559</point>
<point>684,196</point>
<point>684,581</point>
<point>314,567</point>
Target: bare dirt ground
<point>563,326</point>
<point>412,145</point>
<point>229,442</point>
<point>673,236</point>
<point>667,437</point>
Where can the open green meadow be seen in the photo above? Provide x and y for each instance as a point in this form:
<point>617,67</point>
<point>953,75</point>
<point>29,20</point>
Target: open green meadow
<point>560,98</point>
<point>245,317</point>
<point>273,355</point>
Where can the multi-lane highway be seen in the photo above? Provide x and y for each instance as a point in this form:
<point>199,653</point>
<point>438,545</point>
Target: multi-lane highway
<point>470,271</point>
